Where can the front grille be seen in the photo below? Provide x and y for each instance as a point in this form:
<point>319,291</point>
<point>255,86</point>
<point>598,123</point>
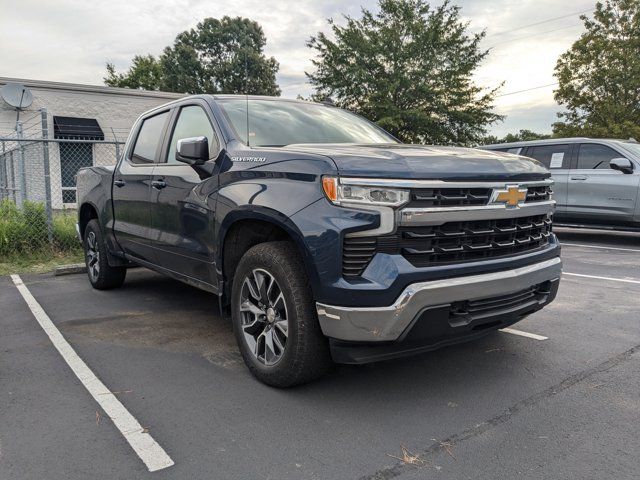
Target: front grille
<point>538,193</point>
<point>448,197</point>
<point>465,197</point>
<point>452,242</point>
<point>465,311</point>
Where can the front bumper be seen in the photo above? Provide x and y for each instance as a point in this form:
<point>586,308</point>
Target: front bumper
<point>434,298</point>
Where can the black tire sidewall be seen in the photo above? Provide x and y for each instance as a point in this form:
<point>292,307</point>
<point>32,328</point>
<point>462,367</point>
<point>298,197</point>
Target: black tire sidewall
<point>108,277</point>
<point>246,265</point>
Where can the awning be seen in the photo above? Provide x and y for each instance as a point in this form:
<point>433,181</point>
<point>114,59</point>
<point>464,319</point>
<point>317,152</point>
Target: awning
<point>73,128</point>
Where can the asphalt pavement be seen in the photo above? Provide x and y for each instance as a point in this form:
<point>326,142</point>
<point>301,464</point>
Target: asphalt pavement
<point>506,406</point>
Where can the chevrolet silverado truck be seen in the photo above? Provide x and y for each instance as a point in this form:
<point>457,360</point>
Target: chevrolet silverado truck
<point>326,238</point>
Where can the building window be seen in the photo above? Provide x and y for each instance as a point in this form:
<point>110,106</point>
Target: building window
<point>82,133</point>
<point>73,157</point>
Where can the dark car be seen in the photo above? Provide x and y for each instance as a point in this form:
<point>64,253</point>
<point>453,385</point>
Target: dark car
<point>326,237</point>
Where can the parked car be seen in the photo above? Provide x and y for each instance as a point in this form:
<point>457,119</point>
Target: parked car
<point>327,237</point>
<point>596,182</point>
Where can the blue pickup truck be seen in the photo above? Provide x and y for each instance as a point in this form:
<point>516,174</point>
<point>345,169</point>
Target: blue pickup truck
<point>326,238</point>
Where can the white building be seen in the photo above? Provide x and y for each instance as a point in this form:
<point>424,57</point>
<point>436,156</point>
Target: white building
<point>74,112</point>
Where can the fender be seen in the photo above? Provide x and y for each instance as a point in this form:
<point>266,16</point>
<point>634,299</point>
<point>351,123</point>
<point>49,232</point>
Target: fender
<point>270,215</point>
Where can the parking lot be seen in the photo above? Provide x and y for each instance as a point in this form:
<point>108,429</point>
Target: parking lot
<point>506,406</point>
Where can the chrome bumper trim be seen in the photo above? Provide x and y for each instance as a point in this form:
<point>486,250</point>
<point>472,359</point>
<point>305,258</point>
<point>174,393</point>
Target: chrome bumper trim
<point>377,324</point>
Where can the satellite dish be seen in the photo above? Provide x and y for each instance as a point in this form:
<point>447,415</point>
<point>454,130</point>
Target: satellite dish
<point>16,95</point>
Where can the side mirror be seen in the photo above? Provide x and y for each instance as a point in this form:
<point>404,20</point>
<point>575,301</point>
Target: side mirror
<point>193,151</point>
<point>622,164</point>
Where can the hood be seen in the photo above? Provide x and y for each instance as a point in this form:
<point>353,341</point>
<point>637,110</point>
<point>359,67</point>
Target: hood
<point>426,162</point>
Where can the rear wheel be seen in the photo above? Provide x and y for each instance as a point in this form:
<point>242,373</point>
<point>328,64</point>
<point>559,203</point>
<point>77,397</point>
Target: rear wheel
<point>101,275</point>
<point>274,317</point>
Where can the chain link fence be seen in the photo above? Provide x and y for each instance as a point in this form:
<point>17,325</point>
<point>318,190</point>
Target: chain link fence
<point>38,190</point>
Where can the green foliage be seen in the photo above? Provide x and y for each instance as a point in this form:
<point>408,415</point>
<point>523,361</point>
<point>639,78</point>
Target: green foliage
<point>217,56</point>
<point>24,230</point>
<point>64,231</point>
<point>145,72</point>
<point>409,68</point>
<point>523,135</point>
<point>599,76</point>
<point>20,229</point>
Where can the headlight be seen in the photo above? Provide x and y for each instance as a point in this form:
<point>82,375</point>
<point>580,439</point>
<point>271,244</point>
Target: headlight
<point>340,194</point>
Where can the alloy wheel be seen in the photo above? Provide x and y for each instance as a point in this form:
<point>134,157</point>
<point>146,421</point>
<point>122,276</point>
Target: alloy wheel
<point>93,256</point>
<point>263,310</point>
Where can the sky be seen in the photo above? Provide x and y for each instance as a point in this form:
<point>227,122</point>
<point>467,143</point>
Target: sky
<point>71,40</point>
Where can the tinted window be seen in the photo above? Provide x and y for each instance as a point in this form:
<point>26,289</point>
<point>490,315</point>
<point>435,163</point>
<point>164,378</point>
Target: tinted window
<point>594,155</point>
<point>551,156</point>
<point>149,138</point>
<point>279,123</point>
<point>192,122</point>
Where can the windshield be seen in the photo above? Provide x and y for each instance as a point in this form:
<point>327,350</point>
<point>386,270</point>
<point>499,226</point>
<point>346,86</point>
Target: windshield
<point>274,123</point>
<point>632,147</point>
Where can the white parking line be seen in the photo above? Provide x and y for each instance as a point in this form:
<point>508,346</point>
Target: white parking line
<point>623,280</point>
<point>523,334</point>
<point>600,247</point>
<point>152,454</point>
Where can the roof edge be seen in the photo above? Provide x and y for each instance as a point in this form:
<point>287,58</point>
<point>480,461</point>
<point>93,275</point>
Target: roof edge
<point>97,89</point>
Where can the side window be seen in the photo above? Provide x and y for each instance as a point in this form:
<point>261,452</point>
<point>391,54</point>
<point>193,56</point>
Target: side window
<point>551,156</point>
<point>515,151</point>
<point>595,156</point>
<point>192,122</point>
<point>149,138</point>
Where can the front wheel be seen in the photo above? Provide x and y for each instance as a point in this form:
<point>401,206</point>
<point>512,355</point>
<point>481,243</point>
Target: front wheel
<point>101,275</point>
<point>274,317</point>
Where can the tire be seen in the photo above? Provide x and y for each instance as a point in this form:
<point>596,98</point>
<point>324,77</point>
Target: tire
<point>272,275</point>
<point>101,275</point>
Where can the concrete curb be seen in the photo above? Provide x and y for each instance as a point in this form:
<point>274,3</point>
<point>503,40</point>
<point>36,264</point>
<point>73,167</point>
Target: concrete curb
<point>70,269</point>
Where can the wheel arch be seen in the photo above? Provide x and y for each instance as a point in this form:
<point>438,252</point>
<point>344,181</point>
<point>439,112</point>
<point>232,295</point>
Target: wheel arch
<point>250,226</point>
<point>86,213</point>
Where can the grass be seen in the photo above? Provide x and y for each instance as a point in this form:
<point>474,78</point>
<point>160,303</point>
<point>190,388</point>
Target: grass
<point>24,238</point>
<point>38,262</point>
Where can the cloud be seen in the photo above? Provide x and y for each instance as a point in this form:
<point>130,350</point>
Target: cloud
<point>70,40</point>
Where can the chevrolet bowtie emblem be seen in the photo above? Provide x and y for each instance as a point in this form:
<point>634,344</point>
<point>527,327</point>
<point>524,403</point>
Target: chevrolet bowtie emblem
<point>512,196</point>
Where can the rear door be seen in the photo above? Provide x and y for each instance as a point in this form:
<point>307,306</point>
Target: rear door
<point>132,188</point>
<point>183,200</point>
<point>596,192</point>
<point>557,159</point>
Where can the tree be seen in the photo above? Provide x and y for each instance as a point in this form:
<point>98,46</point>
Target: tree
<point>145,72</point>
<point>599,76</point>
<point>409,68</point>
<point>217,56</point>
<point>522,135</point>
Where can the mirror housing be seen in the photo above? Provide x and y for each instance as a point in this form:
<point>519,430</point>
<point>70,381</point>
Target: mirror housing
<point>193,151</point>
<point>622,164</point>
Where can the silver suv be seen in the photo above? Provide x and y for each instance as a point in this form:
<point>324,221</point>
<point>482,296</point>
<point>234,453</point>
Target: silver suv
<point>596,180</point>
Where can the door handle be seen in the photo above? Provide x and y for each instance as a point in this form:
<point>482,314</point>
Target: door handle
<point>580,177</point>
<point>119,183</point>
<point>159,184</point>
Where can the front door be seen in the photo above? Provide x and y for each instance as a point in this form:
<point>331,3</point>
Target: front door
<point>132,189</point>
<point>597,193</point>
<point>183,203</point>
